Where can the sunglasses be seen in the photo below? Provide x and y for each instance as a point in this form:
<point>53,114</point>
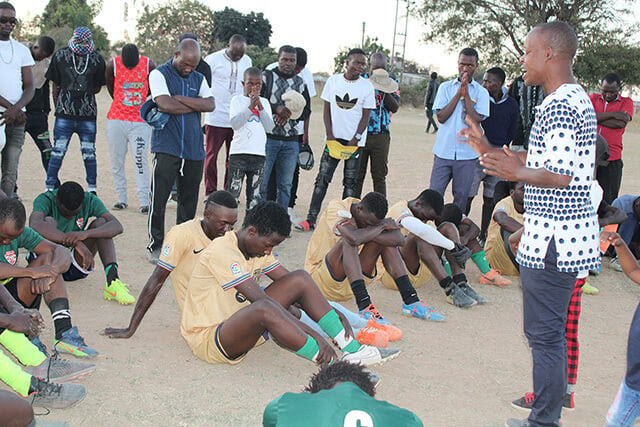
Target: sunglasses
<point>5,20</point>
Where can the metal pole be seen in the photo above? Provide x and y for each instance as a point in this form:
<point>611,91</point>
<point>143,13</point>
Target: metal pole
<point>363,26</point>
<point>395,28</point>
<point>404,44</point>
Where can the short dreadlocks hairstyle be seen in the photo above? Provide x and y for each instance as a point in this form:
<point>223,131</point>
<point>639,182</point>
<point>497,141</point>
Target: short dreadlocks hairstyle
<point>268,217</point>
<point>339,372</point>
<point>376,203</point>
<point>13,210</point>
<point>451,213</point>
<point>71,195</point>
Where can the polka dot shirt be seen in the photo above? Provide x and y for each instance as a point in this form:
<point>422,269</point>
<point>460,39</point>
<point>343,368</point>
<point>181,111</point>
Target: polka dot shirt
<point>562,141</point>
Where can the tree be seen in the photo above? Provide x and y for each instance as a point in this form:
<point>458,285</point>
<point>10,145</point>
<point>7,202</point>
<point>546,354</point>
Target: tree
<point>61,17</point>
<point>160,27</point>
<point>253,26</point>
<point>261,56</point>
<point>371,45</point>
<point>497,28</point>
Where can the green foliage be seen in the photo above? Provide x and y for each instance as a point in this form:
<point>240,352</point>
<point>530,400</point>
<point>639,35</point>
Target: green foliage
<point>413,95</point>
<point>160,27</point>
<point>608,52</point>
<point>61,17</point>
<point>253,26</point>
<point>497,29</point>
<point>261,56</point>
<point>371,45</point>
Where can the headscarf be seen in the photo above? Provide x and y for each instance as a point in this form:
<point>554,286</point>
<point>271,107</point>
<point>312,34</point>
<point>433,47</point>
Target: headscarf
<point>82,41</point>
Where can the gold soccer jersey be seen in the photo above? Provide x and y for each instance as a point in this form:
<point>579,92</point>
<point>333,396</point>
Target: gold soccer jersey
<point>211,295</point>
<point>180,252</point>
<point>326,235</point>
<point>494,246</point>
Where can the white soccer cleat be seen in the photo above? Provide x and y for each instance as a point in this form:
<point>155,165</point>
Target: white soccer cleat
<point>368,355</point>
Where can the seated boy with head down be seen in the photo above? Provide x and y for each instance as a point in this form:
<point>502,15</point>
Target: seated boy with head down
<point>64,217</point>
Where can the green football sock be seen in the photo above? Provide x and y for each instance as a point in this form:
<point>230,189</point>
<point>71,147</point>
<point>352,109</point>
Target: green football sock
<point>331,324</point>
<point>13,376</point>
<point>309,350</point>
<point>23,349</point>
<point>447,267</point>
<point>480,259</point>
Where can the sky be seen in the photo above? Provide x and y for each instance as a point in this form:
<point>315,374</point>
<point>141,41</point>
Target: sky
<point>324,29</point>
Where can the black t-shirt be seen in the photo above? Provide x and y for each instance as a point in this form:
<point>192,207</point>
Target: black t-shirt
<point>40,101</point>
<point>78,76</point>
<point>633,353</point>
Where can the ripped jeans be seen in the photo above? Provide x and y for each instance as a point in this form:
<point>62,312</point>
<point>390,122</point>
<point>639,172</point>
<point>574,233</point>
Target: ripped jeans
<point>63,130</point>
<point>250,166</point>
<point>326,170</point>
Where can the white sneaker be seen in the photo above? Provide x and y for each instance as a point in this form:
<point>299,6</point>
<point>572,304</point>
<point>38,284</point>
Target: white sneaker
<point>368,355</point>
<point>615,264</point>
<point>293,216</point>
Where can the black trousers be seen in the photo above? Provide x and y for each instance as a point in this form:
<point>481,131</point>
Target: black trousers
<point>610,177</point>
<point>187,174</point>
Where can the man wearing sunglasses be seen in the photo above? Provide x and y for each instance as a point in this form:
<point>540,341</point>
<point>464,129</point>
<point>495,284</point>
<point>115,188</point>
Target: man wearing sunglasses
<point>16,90</point>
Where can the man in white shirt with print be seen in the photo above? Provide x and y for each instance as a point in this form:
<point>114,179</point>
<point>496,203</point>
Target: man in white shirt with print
<point>227,68</point>
<point>561,234</point>
<point>348,101</point>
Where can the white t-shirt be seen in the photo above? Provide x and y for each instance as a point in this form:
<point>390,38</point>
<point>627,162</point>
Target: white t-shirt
<point>348,99</point>
<point>249,127</point>
<point>226,82</point>
<point>158,86</point>
<point>14,56</point>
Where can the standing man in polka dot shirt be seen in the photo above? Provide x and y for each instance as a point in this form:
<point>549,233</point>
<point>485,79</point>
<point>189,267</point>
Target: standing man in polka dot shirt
<point>560,223</point>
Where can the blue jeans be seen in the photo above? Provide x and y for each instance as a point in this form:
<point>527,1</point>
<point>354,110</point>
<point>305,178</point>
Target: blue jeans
<point>629,228</point>
<point>625,409</point>
<point>281,156</point>
<point>546,295</point>
<point>63,130</point>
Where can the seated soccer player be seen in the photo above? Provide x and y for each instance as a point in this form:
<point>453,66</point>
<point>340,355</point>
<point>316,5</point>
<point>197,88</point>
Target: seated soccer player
<point>425,245</point>
<point>181,249</point>
<point>63,216</point>
<point>37,379</point>
<point>469,232</point>
<point>507,218</point>
<point>226,312</point>
<point>40,278</point>
<point>339,394</point>
<point>349,238</point>
<point>180,252</point>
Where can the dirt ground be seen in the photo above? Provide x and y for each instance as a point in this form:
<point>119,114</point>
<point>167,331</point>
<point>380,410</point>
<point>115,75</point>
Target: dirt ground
<point>464,371</point>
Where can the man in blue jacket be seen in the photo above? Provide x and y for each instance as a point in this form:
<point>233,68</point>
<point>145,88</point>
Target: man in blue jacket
<point>178,149</point>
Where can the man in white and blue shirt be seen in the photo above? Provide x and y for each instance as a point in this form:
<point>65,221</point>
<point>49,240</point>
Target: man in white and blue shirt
<point>561,234</point>
<point>455,100</point>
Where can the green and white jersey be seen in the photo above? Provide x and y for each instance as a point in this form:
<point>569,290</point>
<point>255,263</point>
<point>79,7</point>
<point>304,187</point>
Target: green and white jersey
<point>344,405</point>
<point>92,207</point>
<point>28,240</point>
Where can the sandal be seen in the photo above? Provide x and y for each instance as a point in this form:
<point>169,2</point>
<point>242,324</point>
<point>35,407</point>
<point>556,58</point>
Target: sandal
<point>304,226</point>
